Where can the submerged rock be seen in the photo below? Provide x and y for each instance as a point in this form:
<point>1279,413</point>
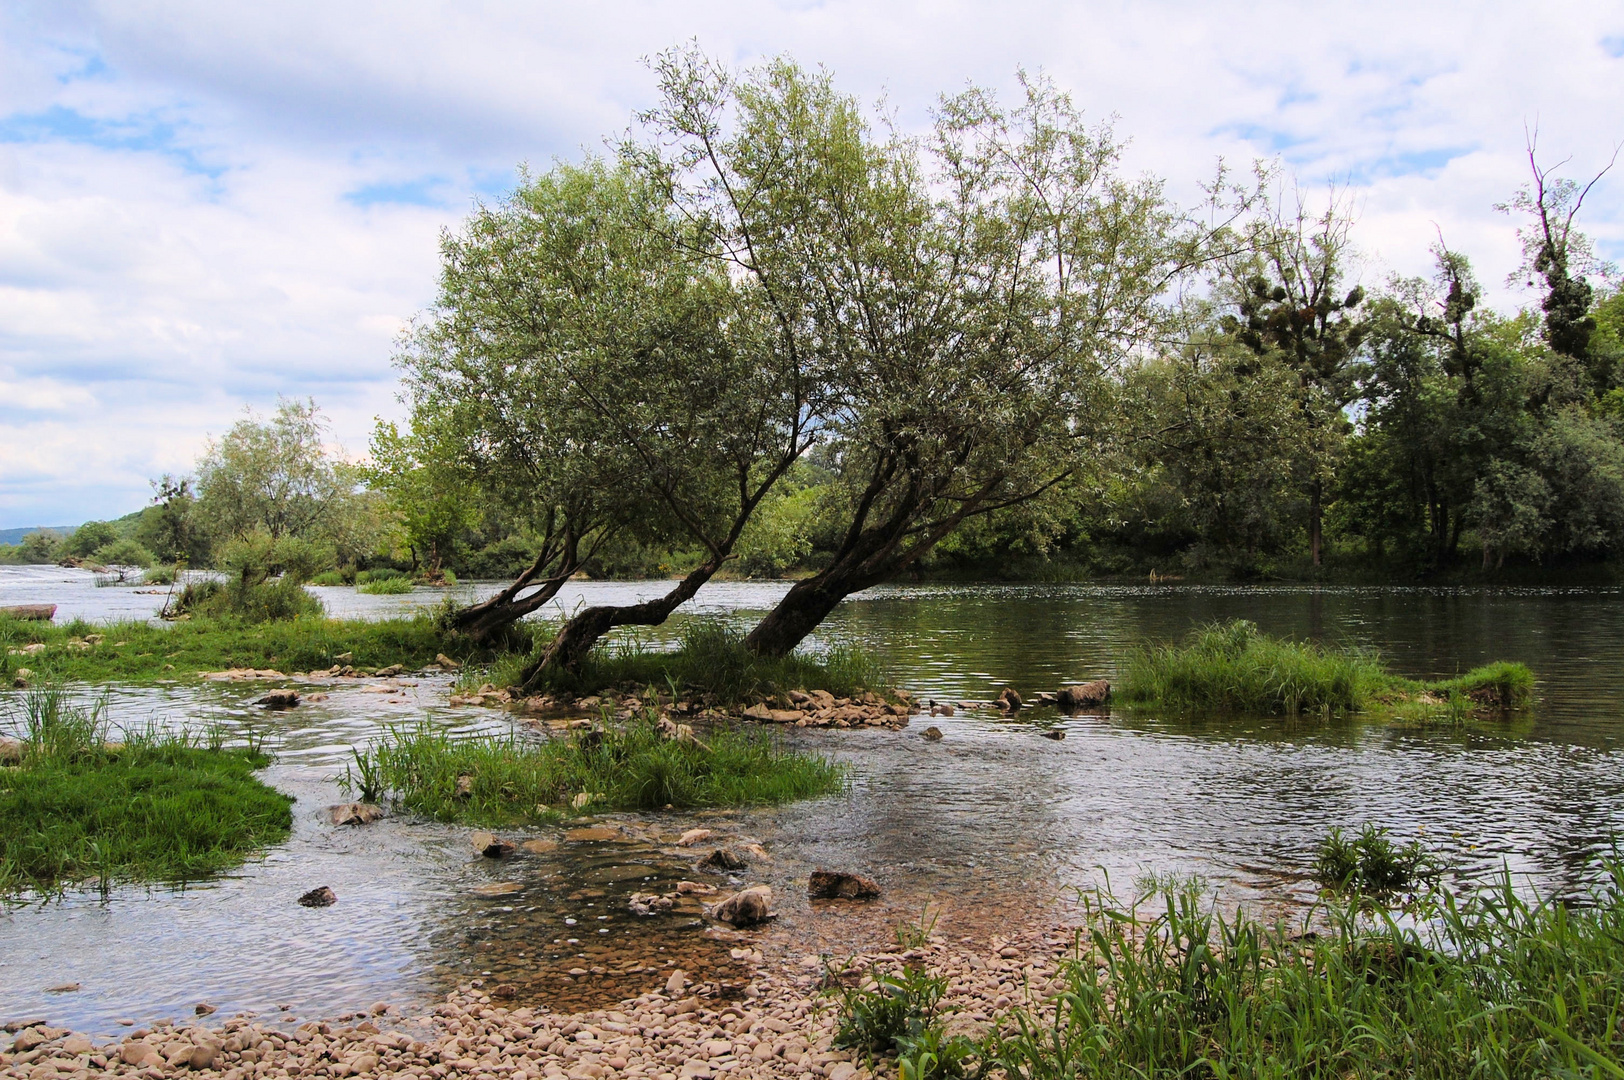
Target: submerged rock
<point>1083,696</point>
<point>322,897</point>
<point>839,885</point>
<point>355,813</point>
<point>492,846</point>
<point>747,907</point>
<point>279,699</point>
<point>720,861</point>
<point>1053,733</point>
<point>649,904</point>
<point>932,733</point>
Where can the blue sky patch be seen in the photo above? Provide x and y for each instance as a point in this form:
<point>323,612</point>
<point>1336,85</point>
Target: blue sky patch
<point>424,191</point>
<point>142,134</point>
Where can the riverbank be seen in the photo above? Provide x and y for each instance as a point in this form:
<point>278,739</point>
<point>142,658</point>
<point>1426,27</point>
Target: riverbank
<point>1160,988</point>
<point>778,1024</point>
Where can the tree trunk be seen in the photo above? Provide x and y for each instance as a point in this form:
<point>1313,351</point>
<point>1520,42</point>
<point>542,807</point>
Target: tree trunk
<point>577,636</point>
<point>806,605</point>
<point>484,620</point>
<point>1314,521</point>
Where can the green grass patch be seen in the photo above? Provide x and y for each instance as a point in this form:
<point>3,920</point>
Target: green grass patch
<point>1233,668</point>
<point>389,586</point>
<point>169,808</point>
<point>711,661</point>
<point>1493,985</point>
<point>139,652</point>
<point>630,766</point>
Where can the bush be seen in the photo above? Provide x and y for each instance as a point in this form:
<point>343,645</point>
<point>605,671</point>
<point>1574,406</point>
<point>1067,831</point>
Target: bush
<point>264,582</point>
<point>158,575</point>
<point>381,573</point>
<point>125,553</point>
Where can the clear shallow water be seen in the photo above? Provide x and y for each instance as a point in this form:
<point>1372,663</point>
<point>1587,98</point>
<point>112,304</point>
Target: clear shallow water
<point>989,823</point>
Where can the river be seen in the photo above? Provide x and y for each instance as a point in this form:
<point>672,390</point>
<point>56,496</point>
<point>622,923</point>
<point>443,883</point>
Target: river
<point>989,824</point>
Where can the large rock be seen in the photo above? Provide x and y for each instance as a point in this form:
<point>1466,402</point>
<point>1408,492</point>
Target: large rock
<point>1009,701</point>
<point>11,752</point>
<point>748,907</point>
<point>322,897</point>
<point>1089,695</point>
<point>31,612</point>
<point>839,885</point>
<point>279,699</point>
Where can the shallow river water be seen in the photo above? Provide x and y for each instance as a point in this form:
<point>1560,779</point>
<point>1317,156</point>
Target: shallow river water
<point>989,825</point>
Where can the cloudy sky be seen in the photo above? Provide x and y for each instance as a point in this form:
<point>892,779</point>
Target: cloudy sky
<point>205,205</point>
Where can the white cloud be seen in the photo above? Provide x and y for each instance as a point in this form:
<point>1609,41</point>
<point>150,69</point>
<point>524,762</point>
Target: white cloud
<point>204,205</point>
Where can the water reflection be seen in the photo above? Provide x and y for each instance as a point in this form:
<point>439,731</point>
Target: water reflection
<point>990,822</point>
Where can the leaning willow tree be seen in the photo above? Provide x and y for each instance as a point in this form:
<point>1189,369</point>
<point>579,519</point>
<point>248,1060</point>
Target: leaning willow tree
<point>649,345</point>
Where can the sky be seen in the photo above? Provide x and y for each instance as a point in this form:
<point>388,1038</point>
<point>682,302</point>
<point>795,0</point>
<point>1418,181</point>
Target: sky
<point>205,206</point>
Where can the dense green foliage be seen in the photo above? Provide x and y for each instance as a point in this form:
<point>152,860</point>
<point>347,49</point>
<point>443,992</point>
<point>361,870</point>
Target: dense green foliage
<point>1234,668</point>
<point>1490,985</point>
<point>153,807</point>
<point>630,766</point>
<point>136,652</point>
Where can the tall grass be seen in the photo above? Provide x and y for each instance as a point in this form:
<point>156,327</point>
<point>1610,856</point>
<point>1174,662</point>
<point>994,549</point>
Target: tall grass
<point>1232,667</point>
<point>711,660</point>
<point>1494,985</point>
<point>622,767</point>
<point>153,807</point>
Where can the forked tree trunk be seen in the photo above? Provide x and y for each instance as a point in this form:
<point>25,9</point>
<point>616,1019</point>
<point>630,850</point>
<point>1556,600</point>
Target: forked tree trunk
<point>483,621</point>
<point>577,636</point>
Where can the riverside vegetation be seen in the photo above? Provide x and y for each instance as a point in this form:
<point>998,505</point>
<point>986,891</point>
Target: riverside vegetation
<point>75,806</point>
<point>633,765</point>
<point>1234,668</point>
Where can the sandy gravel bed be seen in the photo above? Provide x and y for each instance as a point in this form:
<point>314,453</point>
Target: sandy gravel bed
<point>782,1025</point>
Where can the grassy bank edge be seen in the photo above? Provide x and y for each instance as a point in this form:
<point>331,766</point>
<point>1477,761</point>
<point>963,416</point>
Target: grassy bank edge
<point>79,804</point>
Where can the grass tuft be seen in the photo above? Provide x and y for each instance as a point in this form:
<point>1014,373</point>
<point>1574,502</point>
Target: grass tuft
<point>1234,668</point>
<point>1370,863</point>
<point>632,766</point>
<point>154,807</point>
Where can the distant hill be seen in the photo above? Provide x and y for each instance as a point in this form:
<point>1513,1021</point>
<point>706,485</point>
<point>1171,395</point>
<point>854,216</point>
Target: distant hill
<point>15,536</point>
